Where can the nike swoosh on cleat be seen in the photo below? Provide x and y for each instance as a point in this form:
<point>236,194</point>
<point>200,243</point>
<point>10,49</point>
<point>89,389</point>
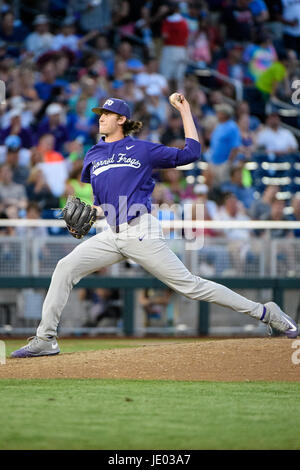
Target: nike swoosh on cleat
<point>292,326</point>
<point>141,238</point>
<point>128,148</point>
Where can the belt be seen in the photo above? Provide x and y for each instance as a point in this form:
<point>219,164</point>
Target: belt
<point>122,227</point>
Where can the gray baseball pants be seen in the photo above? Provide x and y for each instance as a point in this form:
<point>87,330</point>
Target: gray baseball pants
<point>145,244</point>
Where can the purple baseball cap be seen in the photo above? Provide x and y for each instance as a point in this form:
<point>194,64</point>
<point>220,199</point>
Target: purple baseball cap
<point>115,106</point>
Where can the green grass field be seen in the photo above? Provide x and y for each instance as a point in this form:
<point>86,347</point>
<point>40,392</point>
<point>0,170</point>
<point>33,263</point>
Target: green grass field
<point>136,414</point>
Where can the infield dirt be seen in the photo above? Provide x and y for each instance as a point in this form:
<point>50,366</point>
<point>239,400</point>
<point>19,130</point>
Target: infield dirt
<point>268,359</point>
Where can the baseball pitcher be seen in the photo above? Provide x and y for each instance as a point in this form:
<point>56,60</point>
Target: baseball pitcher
<point>119,169</point>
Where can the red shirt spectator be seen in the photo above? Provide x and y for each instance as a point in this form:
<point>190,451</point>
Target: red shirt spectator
<point>175,31</point>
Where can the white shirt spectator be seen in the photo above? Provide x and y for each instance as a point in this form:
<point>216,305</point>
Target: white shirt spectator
<point>233,233</point>
<point>38,44</point>
<point>280,140</point>
<point>70,42</point>
<point>145,80</point>
<point>55,174</point>
<point>24,156</point>
<point>291,12</point>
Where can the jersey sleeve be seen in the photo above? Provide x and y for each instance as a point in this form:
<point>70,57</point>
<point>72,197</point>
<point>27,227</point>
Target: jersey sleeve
<point>85,174</point>
<point>162,156</point>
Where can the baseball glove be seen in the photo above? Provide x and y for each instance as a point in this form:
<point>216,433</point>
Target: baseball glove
<point>78,216</point>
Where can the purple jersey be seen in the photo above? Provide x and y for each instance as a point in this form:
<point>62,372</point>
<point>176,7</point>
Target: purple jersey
<point>120,173</point>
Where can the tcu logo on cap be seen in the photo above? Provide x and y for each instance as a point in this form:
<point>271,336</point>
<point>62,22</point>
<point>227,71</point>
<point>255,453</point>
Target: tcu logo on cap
<point>108,102</point>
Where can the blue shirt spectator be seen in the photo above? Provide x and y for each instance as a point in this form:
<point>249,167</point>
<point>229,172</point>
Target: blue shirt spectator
<point>235,186</point>
<point>226,137</point>
<point>257,7</point>
<point>52,125</point>
<point>15,128</point>
<point>13,33</point>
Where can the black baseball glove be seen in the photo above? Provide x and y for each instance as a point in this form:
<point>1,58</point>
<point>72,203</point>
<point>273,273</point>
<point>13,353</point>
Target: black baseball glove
<point>78,216</point>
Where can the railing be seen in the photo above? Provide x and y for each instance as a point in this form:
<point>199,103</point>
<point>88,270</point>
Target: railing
<point>129,286</point>
<point>208,72</point>
<point>256,263</point>
<point>232,255</point>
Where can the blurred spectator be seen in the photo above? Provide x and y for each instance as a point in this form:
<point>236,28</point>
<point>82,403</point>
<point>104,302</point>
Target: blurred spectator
<point>46,149</point>
<point>104,304</point>
<point>5,57</point>
<point>75,187</point>
<point>76,150</point>
<point>161,194</point>
<point>277,214</point>
<point>103,49</point>
<point>151,76</point>
<point>214,98</point>
<point>92,14</point>
<point>15,128</point>
<point>5,231</point>
<point>276,139</point>
<point>274,25</point>
<point>192,17</point>
<point>12,34</point>
<point>261,207</point>
<point>26,89</point>
<point>210,207</point>
<point>68,37</point>
<point>65,70</point>
<point>212,30</point>
<point>156,106</point>
<point>53,165</point>
<point>268,81</point>
<point>19,168</point>
<point>199,50</point>
<point>242,108</point>
<point>11,192</point>
<point>39,191</point>
<point>174,180</point>
<point>52,124</point>
<point>239,20</point>
<point>130,92</point>
<point>32,213</point>
<point>290,19</point>
<point>225,143</point>
<point>158,13</point>
<point>78,123</point>
<point>155,303</point>
<point>259,56</point>
<point>13,143</point>
<point>89,90</point>
<point>231,66</point>
<point>94,67</point>
<point>39,41</point>
<point>143,29</point>
<point>125,54</point>
<point>48,85</point>
<point>296,213</point>
<point>236,187</point>
<point>248,137</point>
<point>232,209</point>
<point>259,10</point>
<point>174,52</point>
<point>174,130</point>
<point>195,96</point>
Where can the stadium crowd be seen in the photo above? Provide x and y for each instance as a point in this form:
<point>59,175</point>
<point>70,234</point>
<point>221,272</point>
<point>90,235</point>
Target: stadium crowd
<point>59,59</point>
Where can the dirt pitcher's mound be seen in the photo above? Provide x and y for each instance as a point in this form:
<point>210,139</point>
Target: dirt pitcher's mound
<point>216,360</point>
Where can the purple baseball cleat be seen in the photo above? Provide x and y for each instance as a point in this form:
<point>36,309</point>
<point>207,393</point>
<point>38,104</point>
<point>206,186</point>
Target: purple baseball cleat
<point>37,347</point>
<point>277,319</point>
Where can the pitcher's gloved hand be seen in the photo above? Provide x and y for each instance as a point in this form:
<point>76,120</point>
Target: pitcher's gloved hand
<point>78,216</point>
